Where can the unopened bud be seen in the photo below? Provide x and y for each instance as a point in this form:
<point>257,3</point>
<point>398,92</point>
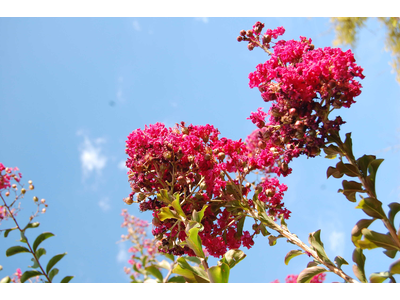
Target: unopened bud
<point>311,47</point>
<point>266,39</point>
<point>239,38</point>
<point>7,193</point>
<point>14,186</point>
<point>128,200</point>
<point>31,187</point>
<point>221,156</point>
<point>249,32</point>
<point>292,111</point>
<point>242,32</point>
<point>43,210</point>
<point>207,156</point>
<point>42,201</point>
<point>30,181</point>
<point>284,167</point>
<point>23,191</point>
<point>141,196</point>
<point>36,199</point>
<point>250,47</point>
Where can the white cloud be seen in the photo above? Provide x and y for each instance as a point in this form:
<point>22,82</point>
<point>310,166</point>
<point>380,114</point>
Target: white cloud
<point>104,204</point>
<point>122,165</point>
<point>136,25</point>
<point>90,155</point>
<point>337,242</point>
<point>122,256</point>
<point>204,20</point>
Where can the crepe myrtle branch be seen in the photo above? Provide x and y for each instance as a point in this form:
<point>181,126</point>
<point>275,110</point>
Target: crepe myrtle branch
<point>26,239</point>
<point>295,240</point>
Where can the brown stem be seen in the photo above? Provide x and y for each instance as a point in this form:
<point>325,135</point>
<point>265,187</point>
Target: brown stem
<point>27,242</point>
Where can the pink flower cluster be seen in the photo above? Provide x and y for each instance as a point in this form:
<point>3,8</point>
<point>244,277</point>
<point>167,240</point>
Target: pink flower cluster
<point>142,246</point>
<point>320,278</point>
<point>193,161</point>
<point>304,85</point>
<point>7,176</point>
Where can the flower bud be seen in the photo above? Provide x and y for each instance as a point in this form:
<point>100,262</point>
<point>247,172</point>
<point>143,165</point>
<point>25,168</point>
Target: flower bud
<point>221,156</point>
<point>141,196</point>
<point>31,187</point>
<point>7,193</point>
<point>42,201</point>
<point>249,32</point>
<point>23,191</point>
<point>43,210</point>
<point>292,111</point>
<point>207,156</point>
<point>239,38</point>
<point>269,192</point>
<point>242,32</point>
<point>128,200</point>
<point>250,47</point>
<point>14,186</point>
<point>284,166</point>
<point>36,199</point>
<point>30,181</point>
<point>311,47</point>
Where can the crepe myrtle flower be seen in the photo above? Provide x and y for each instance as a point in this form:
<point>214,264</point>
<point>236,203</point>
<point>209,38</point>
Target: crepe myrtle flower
<point>196,163</point>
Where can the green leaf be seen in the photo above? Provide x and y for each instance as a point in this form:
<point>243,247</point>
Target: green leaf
<point>267,220</point>
<point>15,250</point>
<point>177,206</point>
<point>291,254</point>
<point>372,207</point>
<point>307,274</point>
<point>358,268</point>
<point>373,168</point>
<point>395,267</point>
<point>164,264</point>
<point>347,169</point>
<point>6,279</point>
<point>315,240</point>
<point>394,209</point>
<point>40,238</point>
<point>55,259</point>
<point>39,252</point>
<point>165,213</point>
<point>390,253</point>
<point>339,261</point>
<point>35,264</point>
<point>264,230</point>
<point>272,240</point>
<point>219,274</point>
<point>356,234</point>
<point>194,242</point>
<point>379,239</point>
<point>348,145</point>
<point>312,264</point>
<point>153,270</point>
<point>233,257</point>
<point>29,274</point>
<point>53,273</point>
<point>240,225</point>
<point>350,188</point>
<point>379,277</point>
<point>333,172</point>
<point>31,225</point>
<point>283,223</point>
<point>176,279</point>
<point>7,231</point>
<point>332,151</point>
<point>363,163</point>
<point>23,238</point>
<point>189,272</point>
<point>193,259</point>
<point>66,279</point>
<point>169,256</point>
<point>164,197</point>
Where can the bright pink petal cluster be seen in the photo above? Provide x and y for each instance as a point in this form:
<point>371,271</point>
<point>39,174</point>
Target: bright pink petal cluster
<point>304,85</point>
<point>193,160</point>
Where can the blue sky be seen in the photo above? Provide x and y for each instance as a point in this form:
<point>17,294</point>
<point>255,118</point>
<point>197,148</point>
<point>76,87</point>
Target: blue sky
<point>71,90</point>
